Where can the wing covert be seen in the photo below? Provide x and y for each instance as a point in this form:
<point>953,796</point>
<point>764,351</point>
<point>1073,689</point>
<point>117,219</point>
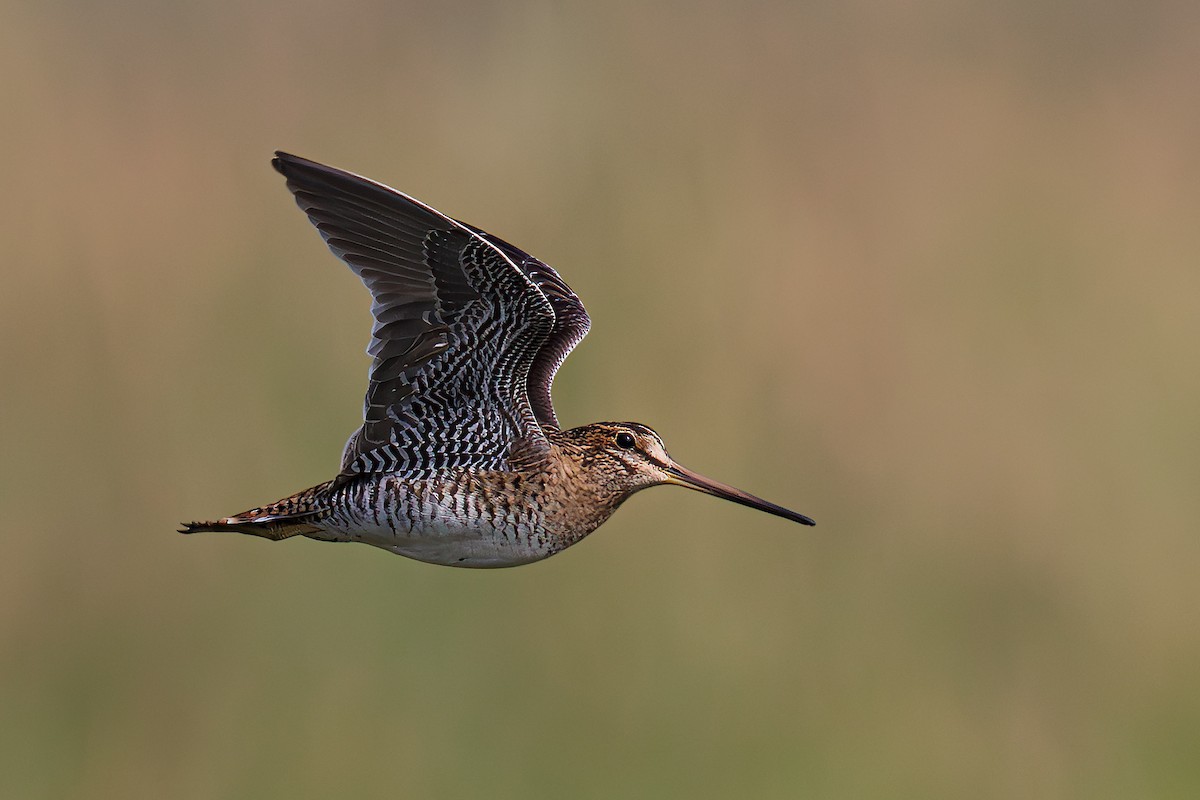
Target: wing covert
<point>571,324</point>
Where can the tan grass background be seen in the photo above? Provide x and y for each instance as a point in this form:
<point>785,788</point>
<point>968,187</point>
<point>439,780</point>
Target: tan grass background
<point>927,272</point>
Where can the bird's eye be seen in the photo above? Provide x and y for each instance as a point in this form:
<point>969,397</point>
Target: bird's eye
<point>625,440</point>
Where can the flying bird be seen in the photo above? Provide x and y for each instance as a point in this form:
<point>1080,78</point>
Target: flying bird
<point>460,459</point>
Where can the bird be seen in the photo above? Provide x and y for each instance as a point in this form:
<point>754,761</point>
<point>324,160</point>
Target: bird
<point>460,459</point>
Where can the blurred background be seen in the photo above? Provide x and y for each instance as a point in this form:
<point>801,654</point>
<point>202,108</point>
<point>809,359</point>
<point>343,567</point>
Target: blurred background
<point>926,273</point>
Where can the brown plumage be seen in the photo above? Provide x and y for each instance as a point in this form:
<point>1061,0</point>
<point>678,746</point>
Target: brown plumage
<point>460,459</point>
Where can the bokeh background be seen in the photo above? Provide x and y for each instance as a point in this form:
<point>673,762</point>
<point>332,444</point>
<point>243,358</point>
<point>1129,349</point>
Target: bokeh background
<point>927,272</point>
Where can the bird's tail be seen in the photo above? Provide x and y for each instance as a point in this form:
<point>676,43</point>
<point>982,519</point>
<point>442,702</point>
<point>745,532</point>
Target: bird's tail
<point>291,516</point>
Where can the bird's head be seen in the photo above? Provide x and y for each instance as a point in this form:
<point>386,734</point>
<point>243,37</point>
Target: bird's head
<point>628,456</point>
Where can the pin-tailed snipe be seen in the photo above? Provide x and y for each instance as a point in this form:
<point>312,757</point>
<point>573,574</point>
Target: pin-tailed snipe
<point>460,459</point>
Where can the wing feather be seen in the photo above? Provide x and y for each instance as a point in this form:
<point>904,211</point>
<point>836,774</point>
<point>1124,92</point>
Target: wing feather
<point>571,324</point>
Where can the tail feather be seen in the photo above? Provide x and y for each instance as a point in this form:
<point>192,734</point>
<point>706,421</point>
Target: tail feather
<point>291,516</point>
<point>273,530</point>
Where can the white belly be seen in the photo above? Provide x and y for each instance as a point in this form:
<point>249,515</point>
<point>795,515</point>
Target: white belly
<point>452,530</point>
<point>455,546</point>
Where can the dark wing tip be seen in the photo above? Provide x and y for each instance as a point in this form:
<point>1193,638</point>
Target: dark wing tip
<point>305,175</point>
<point>283,160</point>
<point>287,164</point>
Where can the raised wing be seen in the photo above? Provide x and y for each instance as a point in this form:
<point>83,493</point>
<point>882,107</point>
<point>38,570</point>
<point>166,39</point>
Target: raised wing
<point>461,327</point>
<point>571,324</point>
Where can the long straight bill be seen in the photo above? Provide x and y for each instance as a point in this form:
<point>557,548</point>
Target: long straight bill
<point>685,477</point>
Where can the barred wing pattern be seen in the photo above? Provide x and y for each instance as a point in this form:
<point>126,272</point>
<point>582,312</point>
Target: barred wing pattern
<point>463,323</point>
<point>571,324</point>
